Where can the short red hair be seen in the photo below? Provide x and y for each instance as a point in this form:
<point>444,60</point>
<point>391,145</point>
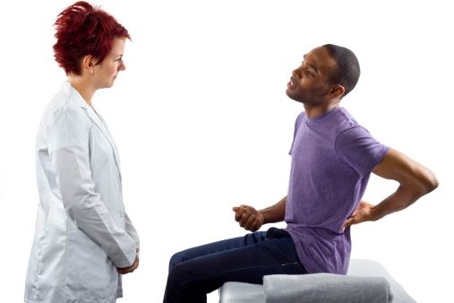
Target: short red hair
<point>83,29</point>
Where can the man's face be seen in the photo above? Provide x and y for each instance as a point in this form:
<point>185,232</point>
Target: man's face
<point>309,83</point>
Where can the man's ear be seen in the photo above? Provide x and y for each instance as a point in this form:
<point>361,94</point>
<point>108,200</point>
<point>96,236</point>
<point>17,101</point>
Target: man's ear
<point>88,64</point>
<point>337,91</point>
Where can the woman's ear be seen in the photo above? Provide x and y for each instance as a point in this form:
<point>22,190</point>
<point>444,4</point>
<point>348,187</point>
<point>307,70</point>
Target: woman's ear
<point>88,64</point>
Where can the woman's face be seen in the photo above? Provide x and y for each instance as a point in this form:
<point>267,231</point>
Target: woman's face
<point>106,72</point>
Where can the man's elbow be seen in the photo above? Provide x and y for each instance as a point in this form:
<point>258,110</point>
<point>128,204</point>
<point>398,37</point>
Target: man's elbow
<point>430,183</point>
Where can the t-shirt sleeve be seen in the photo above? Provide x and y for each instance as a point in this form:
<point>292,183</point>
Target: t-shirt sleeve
<point>358,149</point>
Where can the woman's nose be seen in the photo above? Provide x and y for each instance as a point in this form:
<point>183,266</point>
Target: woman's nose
<point>122,66</point>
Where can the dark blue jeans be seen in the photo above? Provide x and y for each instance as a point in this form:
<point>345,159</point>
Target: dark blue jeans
<point>197,271</point>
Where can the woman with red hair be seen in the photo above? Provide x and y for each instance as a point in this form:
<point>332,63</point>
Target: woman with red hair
<point>84,240</point>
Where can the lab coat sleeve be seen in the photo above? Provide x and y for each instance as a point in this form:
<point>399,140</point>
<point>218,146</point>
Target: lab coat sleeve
<point>131,230</point>
<point>69,137</point>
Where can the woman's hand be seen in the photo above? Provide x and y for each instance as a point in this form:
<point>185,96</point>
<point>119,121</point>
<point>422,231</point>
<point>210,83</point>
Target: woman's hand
<point>135,264</point>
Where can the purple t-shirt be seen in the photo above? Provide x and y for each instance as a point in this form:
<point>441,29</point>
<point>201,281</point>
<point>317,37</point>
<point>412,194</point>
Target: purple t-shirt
<point>332,158</point>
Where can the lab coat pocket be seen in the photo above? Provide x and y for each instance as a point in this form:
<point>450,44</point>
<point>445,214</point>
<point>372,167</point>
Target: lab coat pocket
<point>89,267</point>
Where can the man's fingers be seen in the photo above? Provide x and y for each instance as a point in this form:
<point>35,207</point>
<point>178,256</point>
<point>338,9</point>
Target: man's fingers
<point>247,217</point>
<point>248,220</point>
<point>240,213</point>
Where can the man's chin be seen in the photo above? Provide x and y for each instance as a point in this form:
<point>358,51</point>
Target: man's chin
<point>289,94</point>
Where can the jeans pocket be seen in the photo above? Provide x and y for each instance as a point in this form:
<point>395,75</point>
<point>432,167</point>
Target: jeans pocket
<point>274,233</point>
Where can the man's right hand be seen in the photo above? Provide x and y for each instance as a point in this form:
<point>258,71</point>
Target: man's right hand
<point>248,217</point>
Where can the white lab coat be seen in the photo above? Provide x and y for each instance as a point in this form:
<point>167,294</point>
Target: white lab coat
<point>82,231</point>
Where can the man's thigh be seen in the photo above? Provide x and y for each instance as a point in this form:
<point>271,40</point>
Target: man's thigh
<point>216,247</point>
<point>244,263</point>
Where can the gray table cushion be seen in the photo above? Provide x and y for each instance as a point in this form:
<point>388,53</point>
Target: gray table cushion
<point>326,288</point>
<point>237,292</point>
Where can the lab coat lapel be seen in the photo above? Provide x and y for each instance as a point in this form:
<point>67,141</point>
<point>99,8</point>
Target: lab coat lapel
<point>100,123</point>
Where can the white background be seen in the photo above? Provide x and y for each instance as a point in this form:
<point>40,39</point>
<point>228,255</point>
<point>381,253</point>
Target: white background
<point>202,123</point>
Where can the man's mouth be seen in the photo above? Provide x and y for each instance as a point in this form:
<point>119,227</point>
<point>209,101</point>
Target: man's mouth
<point>291,83</point>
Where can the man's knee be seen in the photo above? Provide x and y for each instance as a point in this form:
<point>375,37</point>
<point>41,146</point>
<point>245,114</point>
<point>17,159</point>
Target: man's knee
<point>176,259</point>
